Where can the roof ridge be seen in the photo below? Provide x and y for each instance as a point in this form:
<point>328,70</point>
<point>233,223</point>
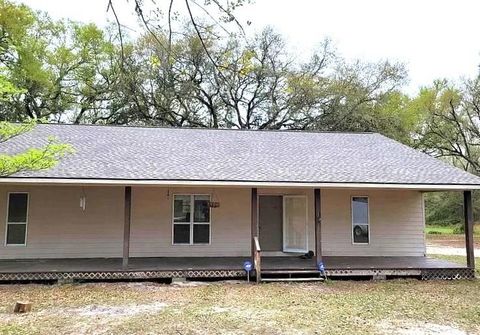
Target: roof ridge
<point>212,129</point>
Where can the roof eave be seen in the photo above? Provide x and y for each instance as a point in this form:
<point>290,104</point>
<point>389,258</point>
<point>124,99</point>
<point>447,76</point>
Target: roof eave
<point>226,183</point>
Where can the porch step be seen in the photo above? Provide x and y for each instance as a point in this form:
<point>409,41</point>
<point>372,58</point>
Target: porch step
<point>291,275</point>
<point>306,279</point>
<point>290,272</point>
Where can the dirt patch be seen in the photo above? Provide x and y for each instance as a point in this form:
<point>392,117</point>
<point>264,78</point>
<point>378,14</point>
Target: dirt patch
<point>93,311</point>
<point>454,241</point>
<point>116,311</point>
<point>418,328</point>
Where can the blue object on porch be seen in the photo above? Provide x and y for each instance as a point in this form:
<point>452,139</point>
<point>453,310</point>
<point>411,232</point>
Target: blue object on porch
<point>321,267</point>
<point>247,266</point>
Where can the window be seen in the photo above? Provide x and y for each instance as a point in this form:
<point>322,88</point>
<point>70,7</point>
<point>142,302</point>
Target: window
<point>360,220</point>
<point>17,219</point>
<point>188,228</point>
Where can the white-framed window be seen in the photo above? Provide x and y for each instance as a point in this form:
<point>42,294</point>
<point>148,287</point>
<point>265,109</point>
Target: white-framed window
<point>360,220</point>
<point>17,218</point>
<point>191,219</point>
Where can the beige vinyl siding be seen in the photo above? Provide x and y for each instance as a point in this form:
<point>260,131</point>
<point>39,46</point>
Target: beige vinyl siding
<point>396,223</point>
<point>59,228</point>
<point>151,230</point>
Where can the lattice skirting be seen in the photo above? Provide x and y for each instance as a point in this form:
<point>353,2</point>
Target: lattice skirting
<point>448,274</point>
<point>122,275</point>
<point>373,272</point>
<point>424,274</point>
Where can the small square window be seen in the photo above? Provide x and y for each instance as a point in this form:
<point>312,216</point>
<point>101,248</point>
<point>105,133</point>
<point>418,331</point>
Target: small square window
<point>201,234</point>
<point>16,233</point>
<point>181,208</point>
<point>360,234</point>
<point>181,233</point>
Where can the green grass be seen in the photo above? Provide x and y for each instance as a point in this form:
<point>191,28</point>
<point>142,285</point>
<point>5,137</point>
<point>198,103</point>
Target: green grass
<point>448,230</point>
<point>333,307</point>
<point>443,230</point>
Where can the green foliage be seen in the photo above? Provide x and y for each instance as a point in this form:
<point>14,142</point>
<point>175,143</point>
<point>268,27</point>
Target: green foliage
<point>33,159</point>
<point>65,69</point>
<point>459,229</point>
<point>443,208</point>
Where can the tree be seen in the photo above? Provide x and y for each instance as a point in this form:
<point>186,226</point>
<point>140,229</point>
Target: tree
<point>12,27</point>
<point>452,130</point>
<point>256,84</point>
<point>33,159</point>
<point>66,70</point>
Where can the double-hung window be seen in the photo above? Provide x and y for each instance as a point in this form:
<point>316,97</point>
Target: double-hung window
<point>17,214</point>
<point>360,220</point>
<point>191,219</point>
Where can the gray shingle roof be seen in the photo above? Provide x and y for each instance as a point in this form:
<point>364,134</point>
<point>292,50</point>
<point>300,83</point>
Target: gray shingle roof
<point>137,153</point>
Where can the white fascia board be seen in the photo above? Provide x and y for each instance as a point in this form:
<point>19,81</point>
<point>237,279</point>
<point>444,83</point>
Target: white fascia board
<point>264,184</point>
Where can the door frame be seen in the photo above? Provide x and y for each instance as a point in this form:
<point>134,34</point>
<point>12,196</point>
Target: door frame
<point>284,224</point>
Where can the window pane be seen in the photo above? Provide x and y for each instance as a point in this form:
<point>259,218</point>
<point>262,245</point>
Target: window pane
<point>17,207</point>
<point>360,210</point>
<point>202,208</point>
<point>201,233</point>
<point>360,234</point>
<point>181,233</point>
<point>16,233</point>
<point>181,208</point>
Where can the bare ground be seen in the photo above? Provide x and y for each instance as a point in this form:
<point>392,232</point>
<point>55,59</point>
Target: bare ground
<point>388,307</point>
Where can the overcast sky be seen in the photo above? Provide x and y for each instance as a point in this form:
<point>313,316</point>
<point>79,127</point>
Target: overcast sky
<point>435,38</point>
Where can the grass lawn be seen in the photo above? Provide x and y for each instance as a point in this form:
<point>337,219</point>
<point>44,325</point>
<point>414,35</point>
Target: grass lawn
<point>339,307</point>
<point>448,230</point>
<point>444,230</point>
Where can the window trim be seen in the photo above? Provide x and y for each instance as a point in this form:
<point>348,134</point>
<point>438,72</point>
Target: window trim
<point>16,223</point>
<point>191,223</point>
<point>368,219</point>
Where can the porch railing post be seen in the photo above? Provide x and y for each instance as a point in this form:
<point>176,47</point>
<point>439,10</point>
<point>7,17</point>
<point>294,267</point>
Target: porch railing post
<point>318,225</point>
<point>126,226</point>
<point>253,220</point>
<point>468,213</point>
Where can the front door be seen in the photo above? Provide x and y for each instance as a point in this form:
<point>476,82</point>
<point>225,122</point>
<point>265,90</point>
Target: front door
<point>270,216</point>
<point>295,223</point>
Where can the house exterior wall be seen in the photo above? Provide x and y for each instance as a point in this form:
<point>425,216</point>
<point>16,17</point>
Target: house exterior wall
<point>59,228</point>
<point>396,223</point>
<point>151,229</point>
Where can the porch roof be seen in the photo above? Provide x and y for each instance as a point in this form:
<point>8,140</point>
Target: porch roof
<point>143,155</point>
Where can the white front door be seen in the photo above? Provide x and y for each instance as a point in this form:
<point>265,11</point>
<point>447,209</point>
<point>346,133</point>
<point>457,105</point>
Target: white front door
<point>295,223</point>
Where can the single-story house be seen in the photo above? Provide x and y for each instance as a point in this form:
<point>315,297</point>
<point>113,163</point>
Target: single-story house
<point>144,202</point>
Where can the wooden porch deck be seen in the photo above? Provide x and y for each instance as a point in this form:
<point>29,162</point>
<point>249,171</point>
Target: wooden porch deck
<point>222,267</point>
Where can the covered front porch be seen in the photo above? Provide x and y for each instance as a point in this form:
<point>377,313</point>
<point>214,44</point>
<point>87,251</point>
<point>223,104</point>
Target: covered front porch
<point>226,267</point>
<point>140,232</point>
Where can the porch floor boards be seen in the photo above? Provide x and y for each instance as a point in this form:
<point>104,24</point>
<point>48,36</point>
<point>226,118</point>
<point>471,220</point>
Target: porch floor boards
<point>218,263</point>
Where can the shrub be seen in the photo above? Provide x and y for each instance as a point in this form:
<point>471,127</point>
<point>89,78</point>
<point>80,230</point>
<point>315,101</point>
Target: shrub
<point>459,229</point>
